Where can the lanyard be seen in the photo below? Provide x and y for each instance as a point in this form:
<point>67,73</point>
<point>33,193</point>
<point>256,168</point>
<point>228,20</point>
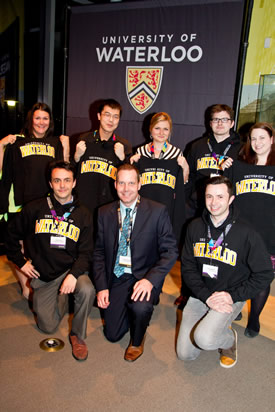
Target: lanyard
<point>219,159</point>
<point>130,228</point>
<point>53,212</point>
<point>220,239</point>
<point>163,150</point>
<point>97,137</point>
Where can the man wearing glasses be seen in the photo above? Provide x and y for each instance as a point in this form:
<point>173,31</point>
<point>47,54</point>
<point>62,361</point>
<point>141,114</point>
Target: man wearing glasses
<point>205,160</point>
<point>98,154</point>
<point>209,152</point>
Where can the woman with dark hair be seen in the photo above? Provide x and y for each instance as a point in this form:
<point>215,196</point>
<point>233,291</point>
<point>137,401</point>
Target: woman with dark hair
<point>253,177</point>
<point>163,169</point>
<point>25,162</point>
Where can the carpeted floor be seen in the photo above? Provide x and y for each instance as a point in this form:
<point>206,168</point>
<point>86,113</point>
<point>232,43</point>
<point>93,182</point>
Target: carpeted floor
<point>35,380</point>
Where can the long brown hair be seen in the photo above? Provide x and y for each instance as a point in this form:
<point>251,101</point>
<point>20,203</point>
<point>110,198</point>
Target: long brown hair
<point>248,155</point>
<point>27,129</point>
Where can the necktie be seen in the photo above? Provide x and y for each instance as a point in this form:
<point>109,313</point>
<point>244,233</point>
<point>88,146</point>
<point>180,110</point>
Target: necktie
<point>122,248</point>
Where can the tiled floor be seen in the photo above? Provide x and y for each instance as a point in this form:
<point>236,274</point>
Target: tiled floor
<point>172,287</point>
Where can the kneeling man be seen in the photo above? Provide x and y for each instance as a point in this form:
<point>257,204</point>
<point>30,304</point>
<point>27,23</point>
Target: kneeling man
<point>59,239</point>
<point>134,251</point>
<point>224,263</point>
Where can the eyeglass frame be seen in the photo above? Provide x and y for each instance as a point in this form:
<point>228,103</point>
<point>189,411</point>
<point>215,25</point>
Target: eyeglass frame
<point>109,115</point>
<point>221,119</point>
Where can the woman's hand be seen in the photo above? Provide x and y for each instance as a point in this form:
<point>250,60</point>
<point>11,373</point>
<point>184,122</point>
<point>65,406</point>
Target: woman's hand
<point>11,138</point>
<point>182,162</point>
<point>65,141</point>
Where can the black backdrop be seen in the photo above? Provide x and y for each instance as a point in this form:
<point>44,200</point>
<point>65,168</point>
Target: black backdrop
<point>174,56</point>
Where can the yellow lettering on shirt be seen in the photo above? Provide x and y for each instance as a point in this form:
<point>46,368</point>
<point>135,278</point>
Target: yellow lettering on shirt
<point>37,149</point>
<point>208,162</point>
<point>98,166</point>
<point>161,178</point>
<point>255,186</point>
<point>61,228</point>
<point>225,255</point>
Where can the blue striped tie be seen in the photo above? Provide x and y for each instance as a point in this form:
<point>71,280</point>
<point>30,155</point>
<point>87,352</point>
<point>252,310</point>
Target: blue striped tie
<point>122,248</point>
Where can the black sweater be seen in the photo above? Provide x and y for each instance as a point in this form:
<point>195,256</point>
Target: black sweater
<point>25,166</point>
<point>36,225</point>
<point>255,198</point>
<point>96,170</point>
<point>162,181</point>
<point>202,164</point>
<point>244,266</point>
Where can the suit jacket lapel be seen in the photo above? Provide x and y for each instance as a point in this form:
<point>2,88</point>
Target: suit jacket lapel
<point>140,219</point>
<point>114,221</point>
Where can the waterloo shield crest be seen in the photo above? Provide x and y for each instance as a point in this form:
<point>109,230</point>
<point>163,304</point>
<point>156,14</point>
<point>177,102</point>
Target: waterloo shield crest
<point>143,86</point>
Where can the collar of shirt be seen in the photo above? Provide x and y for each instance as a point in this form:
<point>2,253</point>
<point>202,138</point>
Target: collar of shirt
<point>123,211</point>
<point>219,223</point>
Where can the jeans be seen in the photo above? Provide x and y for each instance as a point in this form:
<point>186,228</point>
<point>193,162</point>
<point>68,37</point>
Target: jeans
<point>203,328</point>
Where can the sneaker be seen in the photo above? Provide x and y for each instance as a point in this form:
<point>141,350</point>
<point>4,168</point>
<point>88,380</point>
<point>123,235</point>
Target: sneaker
<point>228,357</point>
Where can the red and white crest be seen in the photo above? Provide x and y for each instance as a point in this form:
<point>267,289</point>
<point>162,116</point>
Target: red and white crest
<point>143,86</point>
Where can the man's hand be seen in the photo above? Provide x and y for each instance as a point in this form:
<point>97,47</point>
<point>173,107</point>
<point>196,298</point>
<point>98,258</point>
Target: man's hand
<point>135,158</point>
<point>68,285</point>
<point>227,163</point>
<point>29,270</point>
<point>142,288</point>
<point>119,150</point>
<point>79,150</point>
<point>220,302</point>
<point>103,299</point>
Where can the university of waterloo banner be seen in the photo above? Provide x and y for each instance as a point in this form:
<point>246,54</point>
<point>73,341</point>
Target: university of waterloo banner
<point>174,56</point>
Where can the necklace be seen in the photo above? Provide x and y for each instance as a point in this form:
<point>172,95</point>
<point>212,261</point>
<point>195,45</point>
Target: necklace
<point>152,150</point>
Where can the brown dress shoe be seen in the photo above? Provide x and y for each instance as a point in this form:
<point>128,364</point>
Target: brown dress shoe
<point>133,352</point>
<point>80,350</point>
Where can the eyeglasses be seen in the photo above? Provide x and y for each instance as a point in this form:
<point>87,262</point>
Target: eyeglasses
<point>223,120</point>
<point>108,116</point>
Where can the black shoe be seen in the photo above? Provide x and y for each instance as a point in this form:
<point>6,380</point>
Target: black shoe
<point>239,317</point>
<point>250,333</point>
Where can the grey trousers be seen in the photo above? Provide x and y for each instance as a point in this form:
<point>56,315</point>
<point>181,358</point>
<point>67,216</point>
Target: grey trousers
<point>203,328</point>
<point>50,306</point>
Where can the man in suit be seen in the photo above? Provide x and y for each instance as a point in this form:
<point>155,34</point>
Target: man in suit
<point>135,249</point>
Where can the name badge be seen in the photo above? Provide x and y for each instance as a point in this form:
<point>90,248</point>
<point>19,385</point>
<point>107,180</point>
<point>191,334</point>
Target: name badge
<point>58,242</point>
<point>125,261</point>
<point>210,271</point>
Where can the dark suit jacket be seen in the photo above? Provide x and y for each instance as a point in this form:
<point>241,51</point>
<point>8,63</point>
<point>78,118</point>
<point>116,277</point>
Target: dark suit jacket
<point>153,245</point>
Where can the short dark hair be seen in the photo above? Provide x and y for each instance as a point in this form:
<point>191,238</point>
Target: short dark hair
<point>27,129</point>
<point>111,103</point>
<point>61,164</point>
<point>216,108</point>
<point>129,167</point>
<point>219,180</point>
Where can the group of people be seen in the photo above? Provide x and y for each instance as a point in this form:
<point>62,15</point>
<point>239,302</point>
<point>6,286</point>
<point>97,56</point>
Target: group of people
<point>112,223</point>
